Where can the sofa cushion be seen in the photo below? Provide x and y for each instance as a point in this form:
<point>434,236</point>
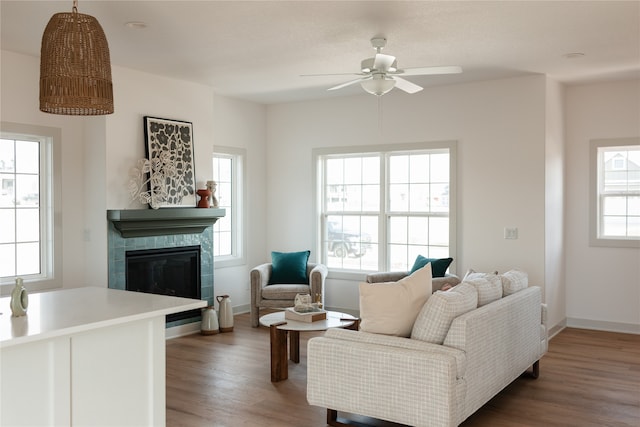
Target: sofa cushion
<point>514,281</point>
<point>488,285</point>
<point>434,320</point>
<point>390,308</point>
<point>289,268</point>
<point>438,266</point>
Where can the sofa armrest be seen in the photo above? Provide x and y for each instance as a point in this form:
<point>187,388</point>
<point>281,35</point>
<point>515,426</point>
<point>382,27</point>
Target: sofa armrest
<point>403,385</point>
<point>389,276</point>
<point>448,279</point>
<point>501,340</point>
<point>394,276</point>
<point>317,276</point>
<point>544,331</point>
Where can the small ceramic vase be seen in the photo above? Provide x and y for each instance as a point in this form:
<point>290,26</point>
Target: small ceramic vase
<point>209,321</point>
<point>19,299</point>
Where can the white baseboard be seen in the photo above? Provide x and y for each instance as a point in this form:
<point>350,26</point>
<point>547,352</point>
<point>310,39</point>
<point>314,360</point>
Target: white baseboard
<point>182,330</point>
<point>599,325</point>
<point>555,330</point>
<point>240,309</point>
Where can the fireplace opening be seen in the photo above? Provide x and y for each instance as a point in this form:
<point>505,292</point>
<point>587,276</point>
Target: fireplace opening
<point>165,271</point>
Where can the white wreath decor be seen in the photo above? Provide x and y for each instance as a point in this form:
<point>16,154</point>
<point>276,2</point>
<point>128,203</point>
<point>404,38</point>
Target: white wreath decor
<point>153,190</point>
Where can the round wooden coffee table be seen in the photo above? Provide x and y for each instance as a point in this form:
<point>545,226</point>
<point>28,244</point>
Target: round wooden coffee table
<point>279,329</point>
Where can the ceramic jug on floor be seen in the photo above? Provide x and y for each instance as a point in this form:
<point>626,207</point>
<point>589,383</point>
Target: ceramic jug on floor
<point>226,313</point>
<point>209,324</point>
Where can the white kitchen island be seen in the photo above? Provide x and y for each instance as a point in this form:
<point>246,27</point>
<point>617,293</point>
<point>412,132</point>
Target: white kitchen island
<point>86,356</point>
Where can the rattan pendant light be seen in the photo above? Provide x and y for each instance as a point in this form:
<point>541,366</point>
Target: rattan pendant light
<point>75,69</point>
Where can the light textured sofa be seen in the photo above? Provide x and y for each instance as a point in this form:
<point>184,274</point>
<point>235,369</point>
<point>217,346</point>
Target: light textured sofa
<point>418,383</point>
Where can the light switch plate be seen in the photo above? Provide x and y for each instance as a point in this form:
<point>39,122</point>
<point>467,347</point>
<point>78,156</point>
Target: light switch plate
<point>511,233</point>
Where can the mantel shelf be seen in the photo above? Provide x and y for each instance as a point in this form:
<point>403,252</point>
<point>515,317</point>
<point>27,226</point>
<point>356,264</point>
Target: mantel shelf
<point>160,222</point>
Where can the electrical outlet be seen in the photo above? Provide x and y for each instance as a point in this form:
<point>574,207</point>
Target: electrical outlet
<point>511,233</point>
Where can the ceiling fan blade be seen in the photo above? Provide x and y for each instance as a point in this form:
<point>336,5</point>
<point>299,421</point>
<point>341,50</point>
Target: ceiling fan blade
<point>382,62</point>
<point>406,85</point>
<point>421,71</point>
<point>349,83</point>
<point>332,74</point>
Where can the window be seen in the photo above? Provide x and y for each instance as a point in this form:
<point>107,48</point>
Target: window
<point>227,231</point>
<point>381,207</point>
<point>615,186</point>
<point>27,204</point>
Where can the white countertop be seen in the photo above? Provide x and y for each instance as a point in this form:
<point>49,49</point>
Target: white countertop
<point>68,311</point>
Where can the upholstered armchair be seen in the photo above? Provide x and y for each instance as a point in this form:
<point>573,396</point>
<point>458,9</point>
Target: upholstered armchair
<point>264,295</point>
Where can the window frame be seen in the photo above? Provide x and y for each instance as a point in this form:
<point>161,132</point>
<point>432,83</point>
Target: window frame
<point>383,150</point>
<point>595,196</point>
<point>238,201</point>
<point>50,206</point>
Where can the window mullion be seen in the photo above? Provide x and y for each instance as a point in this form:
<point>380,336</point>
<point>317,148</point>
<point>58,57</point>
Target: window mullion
<point>383,219</point>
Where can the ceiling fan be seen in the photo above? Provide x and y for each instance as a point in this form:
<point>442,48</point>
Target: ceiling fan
<point>380,74</point>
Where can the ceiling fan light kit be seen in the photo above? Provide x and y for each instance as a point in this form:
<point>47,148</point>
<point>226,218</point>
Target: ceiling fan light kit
<point>75,68</point>
<point>378,85</point>
<point>381,74</point>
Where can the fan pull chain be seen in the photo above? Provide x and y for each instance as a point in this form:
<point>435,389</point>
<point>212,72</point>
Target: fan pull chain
<point>379,114</point>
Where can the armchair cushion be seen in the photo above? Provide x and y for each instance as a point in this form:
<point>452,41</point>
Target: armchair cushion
<point>284,292</point>
<point>390,308</point>
<point>289,268</point>
<point>438,266</point>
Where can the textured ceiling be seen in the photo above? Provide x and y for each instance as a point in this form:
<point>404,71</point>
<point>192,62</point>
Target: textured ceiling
<point>258,50</point>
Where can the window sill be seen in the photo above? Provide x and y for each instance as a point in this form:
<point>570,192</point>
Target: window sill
<point>614,243</point>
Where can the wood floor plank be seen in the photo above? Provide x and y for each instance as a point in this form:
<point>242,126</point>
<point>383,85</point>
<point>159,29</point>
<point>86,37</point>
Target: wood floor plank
<point>588,378</point>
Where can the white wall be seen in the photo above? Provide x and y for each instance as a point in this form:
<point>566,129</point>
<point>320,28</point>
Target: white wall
<point>19,103</point>
<point>242,124</point>
<point>603,284</point>
<point>138,94</point>
<point>216,120</point>
<point>555,289</point>
<point>98,152</point>
<point>500,129</point>
<point>509,154</point>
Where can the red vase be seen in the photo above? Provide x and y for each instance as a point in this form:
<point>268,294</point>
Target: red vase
<point>204,198</point>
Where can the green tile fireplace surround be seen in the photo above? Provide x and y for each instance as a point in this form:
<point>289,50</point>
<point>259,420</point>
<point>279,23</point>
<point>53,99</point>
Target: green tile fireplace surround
<point>137,229</point>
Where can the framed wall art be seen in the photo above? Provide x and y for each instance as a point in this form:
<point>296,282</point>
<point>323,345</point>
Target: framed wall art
<point>169,147</point>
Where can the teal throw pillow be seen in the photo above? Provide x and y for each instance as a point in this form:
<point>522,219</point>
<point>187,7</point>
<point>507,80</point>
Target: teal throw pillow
<point>438,266</point>
<point>289,268</point>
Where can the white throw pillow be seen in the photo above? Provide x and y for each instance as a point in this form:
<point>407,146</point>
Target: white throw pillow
<point>390,308</point>
<point>514,281</point>
<point>489,286</point>
<point>436,316</point>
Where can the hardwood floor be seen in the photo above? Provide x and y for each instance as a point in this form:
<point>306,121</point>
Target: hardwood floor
<point>588,378</point>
